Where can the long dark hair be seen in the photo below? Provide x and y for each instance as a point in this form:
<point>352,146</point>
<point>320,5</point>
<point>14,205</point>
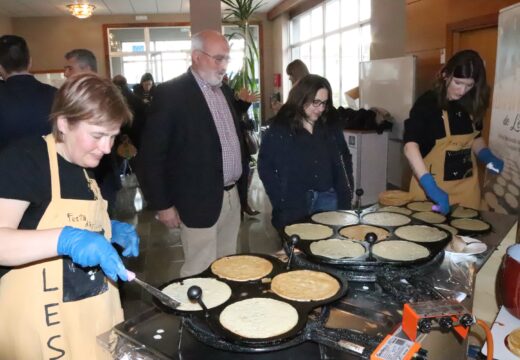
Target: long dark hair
<point>465,64</point>
<point>302,94</point>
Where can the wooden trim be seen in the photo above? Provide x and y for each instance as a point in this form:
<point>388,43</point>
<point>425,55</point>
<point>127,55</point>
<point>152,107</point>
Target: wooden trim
<point>292,7</point>
<point>303,6</point>
<point>453,30</point>
<point>281,8</point>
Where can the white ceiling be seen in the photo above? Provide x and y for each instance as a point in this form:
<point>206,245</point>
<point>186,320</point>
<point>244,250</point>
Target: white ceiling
<point>22,8</point>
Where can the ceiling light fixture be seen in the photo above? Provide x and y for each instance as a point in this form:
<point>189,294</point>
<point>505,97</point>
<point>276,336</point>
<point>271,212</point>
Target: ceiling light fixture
<point>81,11</point>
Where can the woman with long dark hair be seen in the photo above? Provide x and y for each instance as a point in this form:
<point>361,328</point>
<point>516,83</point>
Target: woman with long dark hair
<point>299,161</point>
<point>442,136</point>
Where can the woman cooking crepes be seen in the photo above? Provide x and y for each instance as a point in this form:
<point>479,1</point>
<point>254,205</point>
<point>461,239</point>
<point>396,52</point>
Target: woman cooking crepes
<point>442,135</point>
<point>54,252</point>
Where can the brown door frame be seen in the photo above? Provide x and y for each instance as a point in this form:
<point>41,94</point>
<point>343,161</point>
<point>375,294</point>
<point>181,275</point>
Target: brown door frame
<point>453,30</point>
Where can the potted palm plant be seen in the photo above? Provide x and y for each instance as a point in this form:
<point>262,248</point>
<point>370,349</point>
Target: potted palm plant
<point>239,12</point>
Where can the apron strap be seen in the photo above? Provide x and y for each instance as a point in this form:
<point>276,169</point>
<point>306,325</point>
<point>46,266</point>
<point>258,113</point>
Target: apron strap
<point>446,121</point>
<point>93,186</point>
<point>53,163</point>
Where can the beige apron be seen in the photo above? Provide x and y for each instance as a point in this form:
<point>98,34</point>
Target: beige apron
<point>36,320</point>
<point>459,181</point>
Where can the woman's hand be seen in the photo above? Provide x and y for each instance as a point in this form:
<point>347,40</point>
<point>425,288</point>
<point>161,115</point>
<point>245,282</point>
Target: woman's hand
<point>487,157</point>
<point>88,248</point>
<point>124,234</point>
<point>169,217</point>
<point>248,96</point>
<point>435,193</point>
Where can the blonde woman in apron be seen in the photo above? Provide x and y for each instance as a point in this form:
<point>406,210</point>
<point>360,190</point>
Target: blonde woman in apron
<point>441,140</point>
<point>57,265</point>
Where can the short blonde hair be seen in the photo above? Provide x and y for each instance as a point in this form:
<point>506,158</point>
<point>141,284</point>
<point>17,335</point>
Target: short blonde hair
<point>88,97</point>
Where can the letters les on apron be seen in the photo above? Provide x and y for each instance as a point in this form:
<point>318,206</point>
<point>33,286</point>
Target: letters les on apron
<point>54,309</point>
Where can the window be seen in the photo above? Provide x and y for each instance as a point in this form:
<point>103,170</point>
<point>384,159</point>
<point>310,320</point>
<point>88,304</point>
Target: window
<point>331,39</point>
<point>162,51</point>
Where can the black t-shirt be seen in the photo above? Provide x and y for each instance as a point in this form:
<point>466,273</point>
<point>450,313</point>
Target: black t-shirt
<point>26,176</point>
<point>426,125</point>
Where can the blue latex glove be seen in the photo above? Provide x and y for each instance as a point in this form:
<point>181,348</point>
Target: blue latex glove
<point>124,234</point>
<point>486,156</point>
<point>435,193</point>
<point>88,248</point>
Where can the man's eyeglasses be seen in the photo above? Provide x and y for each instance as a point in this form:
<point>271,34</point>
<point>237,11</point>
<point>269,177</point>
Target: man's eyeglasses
<point>219,59</point>
<point>317,103</point>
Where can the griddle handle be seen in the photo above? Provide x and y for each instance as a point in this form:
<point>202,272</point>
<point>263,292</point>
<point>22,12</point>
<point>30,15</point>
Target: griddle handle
<point>371,239</point>
<point>195,294</point>
<point>359,193</point>
<point>293,240</point>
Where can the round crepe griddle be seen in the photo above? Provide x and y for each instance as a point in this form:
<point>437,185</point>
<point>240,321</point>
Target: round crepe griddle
<point>214,293</point>
<point>309,231</point>
<point>337,248</point>
<point>451,229</point>
<point>430,217</point>
<point>335,218</point>
<point>396,209</point>
<point>382,218</point>
<point>470,225</point>
<point>421,233</point>
<point>420,206</point>
<point>358,232</point>
<point>464,212</point>
<point>241,267</point>
<point>399,250</point>
<point>305,285</point>
<point>259,318</point>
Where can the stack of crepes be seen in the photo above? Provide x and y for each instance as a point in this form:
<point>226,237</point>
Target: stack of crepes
<point>394,198</point>
<point>513,341</point>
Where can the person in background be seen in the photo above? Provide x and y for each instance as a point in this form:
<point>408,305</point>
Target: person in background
<point>79,61</point>
<point>299,161</point>
<point>145,89</point>
<point>442,136</point>
<point>296,70</point>
<point>136,106</point>
<point>58,267</point>
<point>25,103</point>
<point>192,155</point>
<point>243,100</point>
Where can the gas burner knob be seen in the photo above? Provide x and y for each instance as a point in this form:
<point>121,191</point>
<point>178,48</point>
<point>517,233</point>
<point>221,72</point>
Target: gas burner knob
<point>446,323</point>
<point>294,239</point>
<point>425,326</point>
<point>466,320</point>
<point>360,192</point>
<point>371,238</point>
<point>194,293</point>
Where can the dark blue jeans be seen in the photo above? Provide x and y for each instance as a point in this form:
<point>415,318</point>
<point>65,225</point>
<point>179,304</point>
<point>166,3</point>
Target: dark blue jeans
<point>318,201</point>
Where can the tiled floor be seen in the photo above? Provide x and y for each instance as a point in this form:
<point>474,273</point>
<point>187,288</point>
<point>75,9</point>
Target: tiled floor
<point>161,255</point>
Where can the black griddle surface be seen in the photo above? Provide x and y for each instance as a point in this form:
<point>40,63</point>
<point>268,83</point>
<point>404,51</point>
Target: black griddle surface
<point>141,330</point>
